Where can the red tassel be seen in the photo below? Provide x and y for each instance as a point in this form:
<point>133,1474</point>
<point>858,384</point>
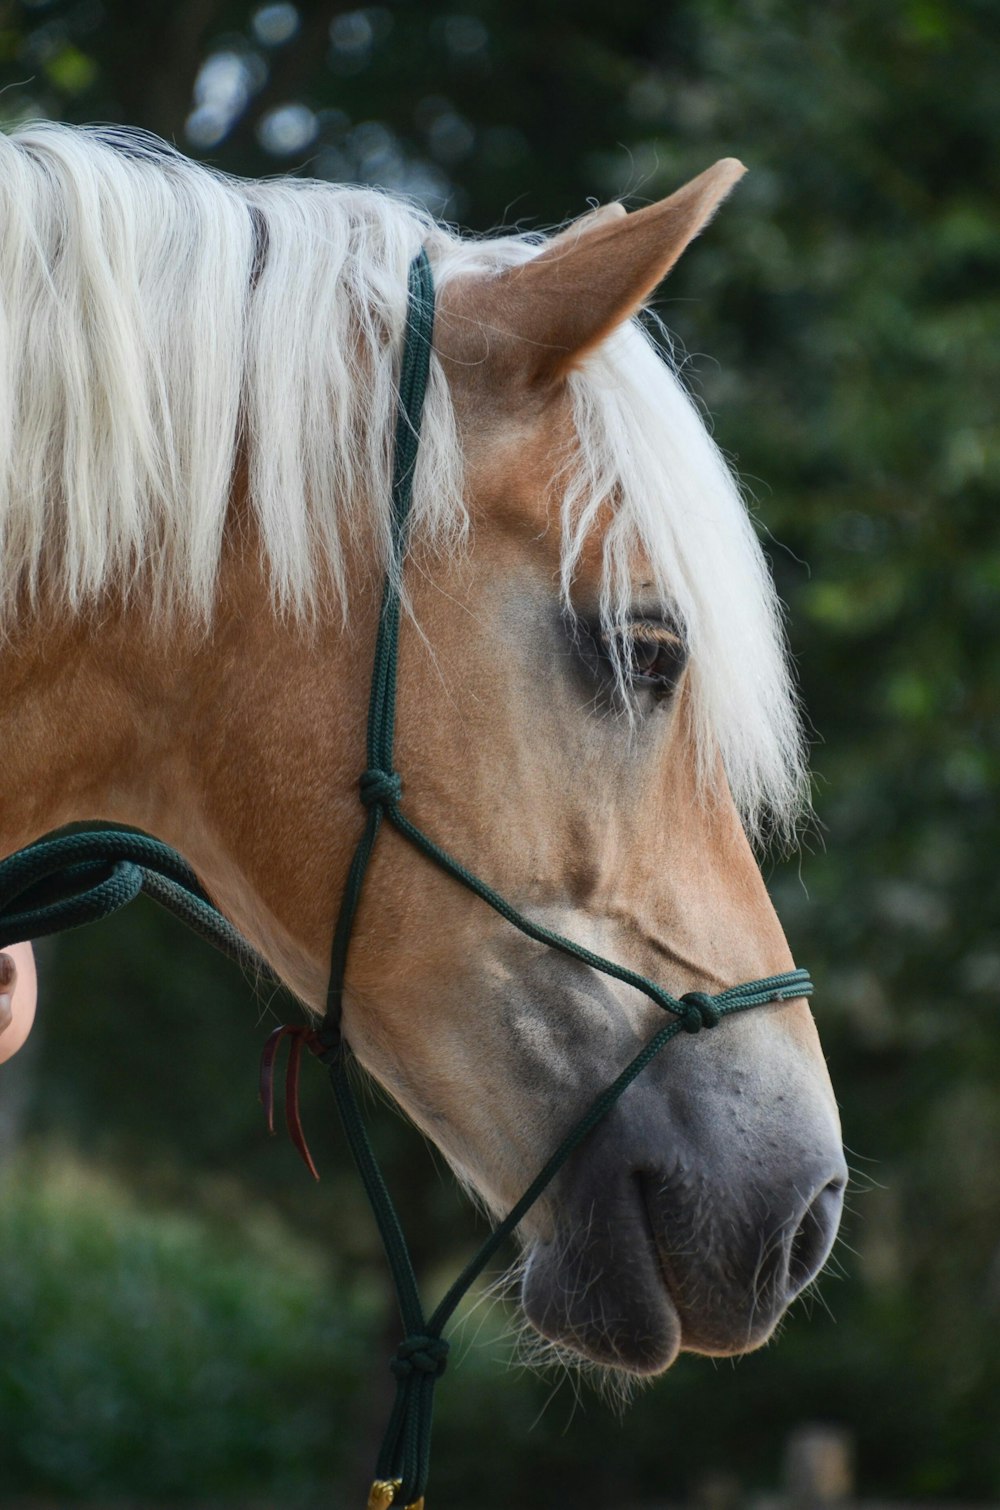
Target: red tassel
<point>300,1037</point>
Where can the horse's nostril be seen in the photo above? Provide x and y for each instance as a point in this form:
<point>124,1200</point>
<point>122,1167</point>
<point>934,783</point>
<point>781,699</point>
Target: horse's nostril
<point>814,1239</point>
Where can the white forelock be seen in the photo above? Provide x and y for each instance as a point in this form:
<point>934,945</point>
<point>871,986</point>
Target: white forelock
<point>159,321</point>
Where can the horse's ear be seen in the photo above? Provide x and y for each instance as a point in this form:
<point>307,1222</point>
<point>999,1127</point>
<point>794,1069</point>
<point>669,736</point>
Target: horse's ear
<point>540,318</point>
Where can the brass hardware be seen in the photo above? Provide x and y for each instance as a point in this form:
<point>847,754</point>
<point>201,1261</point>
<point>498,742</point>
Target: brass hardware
<point>382,1493</point>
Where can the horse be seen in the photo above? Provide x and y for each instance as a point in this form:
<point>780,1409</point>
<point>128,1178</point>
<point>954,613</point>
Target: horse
<point>197,395</point>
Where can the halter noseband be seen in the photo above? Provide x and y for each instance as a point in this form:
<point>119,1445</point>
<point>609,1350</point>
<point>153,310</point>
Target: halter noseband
<point>60,883</point>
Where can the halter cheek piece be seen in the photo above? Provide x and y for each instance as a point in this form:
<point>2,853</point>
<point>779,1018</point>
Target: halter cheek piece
<point>63,882</point>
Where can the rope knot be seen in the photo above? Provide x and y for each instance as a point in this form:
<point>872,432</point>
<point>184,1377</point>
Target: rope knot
<point>699,1012</point>
<point>326,1044</point>
<point>420,1355</point>
<point>380,788</point>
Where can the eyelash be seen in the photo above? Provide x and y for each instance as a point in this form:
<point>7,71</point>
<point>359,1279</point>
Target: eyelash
<point>652,654</point>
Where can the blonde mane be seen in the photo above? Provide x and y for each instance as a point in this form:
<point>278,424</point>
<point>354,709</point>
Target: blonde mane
<point>158,320</point>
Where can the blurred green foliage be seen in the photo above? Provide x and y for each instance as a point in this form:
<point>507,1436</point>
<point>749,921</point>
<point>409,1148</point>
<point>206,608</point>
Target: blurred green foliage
<point>849,298</point>
<point>149,1352</point>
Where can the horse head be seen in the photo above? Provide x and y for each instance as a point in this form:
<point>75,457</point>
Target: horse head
<point>560,729</point>
<point>594,708</point>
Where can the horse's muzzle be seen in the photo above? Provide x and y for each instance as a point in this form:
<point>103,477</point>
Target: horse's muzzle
<point>763,1249</point>
<point>646,1262</point>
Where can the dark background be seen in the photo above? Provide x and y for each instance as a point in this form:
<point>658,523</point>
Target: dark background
<point>183,1317</point>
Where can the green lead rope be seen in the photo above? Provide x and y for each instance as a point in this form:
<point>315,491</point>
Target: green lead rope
<point>65,882</point>
<point>78,878</point>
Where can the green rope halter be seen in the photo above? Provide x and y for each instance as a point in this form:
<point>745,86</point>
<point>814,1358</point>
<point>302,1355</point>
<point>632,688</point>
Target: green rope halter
<point>63,882</point>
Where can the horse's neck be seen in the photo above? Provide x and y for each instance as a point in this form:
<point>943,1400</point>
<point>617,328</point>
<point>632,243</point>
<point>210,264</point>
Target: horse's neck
<point>69,726</point>
<point>237,747</point>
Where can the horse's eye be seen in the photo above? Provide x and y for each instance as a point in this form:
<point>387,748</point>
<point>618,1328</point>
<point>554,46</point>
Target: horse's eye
<point>647,655</point>
<point>654,656</point>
